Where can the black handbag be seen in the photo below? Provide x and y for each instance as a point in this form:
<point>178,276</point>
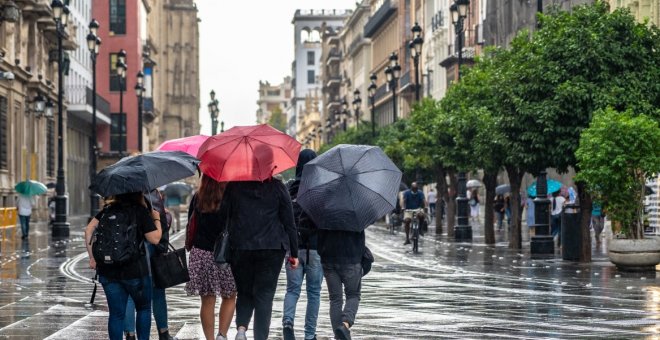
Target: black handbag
<point>170,269</point>
<point>221,250</point>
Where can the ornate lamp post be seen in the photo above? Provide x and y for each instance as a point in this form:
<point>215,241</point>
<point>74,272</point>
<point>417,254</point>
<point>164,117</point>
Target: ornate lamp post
<point>139,91</point>
<point>222,126</point>
<point>344,113</point>
<point>372,100</point>
<point>60,226</point>
<point>415,51</point>
<point>357,101</point>
<point>121,72</point>
<point>392,74</point>
<point>463,229</point>
<point>93,43</point>
<point>542,243</point>
<point>214,112</point>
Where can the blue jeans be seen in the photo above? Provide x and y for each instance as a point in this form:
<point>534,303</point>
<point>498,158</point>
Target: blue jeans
<point>159,305</point>
<point>294,279</point>
<point>117,293</point>
<point>25,224</point>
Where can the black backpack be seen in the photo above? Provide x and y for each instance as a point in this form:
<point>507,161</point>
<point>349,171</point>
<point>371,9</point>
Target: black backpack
<point>304,224</point>
<point>116,240</point>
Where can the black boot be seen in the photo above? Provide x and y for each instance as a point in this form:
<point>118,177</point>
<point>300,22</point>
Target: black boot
<point>165,336</point>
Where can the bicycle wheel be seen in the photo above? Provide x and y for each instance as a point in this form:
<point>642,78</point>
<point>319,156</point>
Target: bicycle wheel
<point>416,243</point>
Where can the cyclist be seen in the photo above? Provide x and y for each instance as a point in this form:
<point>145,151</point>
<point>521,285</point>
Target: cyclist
<point>413,199</point>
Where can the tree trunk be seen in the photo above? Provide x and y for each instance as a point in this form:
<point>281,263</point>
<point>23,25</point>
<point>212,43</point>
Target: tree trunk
<point>586,205</point>
<point>490,182</point>
<point>515,232</point>
<point>451,202</point>
<point>441,188</point>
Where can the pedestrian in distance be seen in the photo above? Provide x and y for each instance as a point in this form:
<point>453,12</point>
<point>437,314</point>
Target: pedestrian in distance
<point>24,203</point>
<point>529,205</point>
<point>413,199</point>
<point>432,199</point>
<point>115,244</point>
<point>341,256</point>
<point>474,206</point>
<point>261,231</point>
<point>498,208</point>
<point>207,280</point>
<point>309,269</point>
<point>173,204</point>
<point>158,297</point>
<point>557,204</point>
<point>507,210</point>
<point>597,222</point>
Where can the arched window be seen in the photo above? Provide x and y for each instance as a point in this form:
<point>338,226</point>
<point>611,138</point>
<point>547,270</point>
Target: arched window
<point>304,35</point>
<point>315,36</point>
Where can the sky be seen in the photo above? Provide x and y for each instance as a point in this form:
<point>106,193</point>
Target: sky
<point>242,42</point>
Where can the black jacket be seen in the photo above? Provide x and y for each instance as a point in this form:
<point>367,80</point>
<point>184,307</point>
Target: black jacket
<point>209,226</point>
<point>260,216</point>
<point>341,247</point>
<point>310,239</point>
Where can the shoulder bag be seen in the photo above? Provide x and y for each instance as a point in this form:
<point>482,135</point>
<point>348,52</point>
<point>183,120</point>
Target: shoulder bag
<point>221,249</point>
<point>170,269</point>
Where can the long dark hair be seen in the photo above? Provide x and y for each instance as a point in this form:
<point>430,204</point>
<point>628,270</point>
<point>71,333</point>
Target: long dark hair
<point>209,195</point>
<point>130,198</point>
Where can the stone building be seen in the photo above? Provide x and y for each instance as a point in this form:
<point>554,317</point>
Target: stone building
<point>273,98</point>
<point>309,123</point>
<point>28,137</point>
<point>174,47</point>
<point>331,78</point>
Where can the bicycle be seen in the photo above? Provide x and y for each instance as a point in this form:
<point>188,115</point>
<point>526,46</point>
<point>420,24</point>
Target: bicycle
<point>414,226</point>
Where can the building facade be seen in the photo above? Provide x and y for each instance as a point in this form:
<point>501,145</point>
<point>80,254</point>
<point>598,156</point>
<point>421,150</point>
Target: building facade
<point>273,99</point>
<point>28,137</point>
<point>641,9</point>
<point>307,49</point>
<point>173,83</point>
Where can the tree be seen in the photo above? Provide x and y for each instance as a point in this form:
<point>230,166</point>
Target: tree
<point>617,153</point>
<point>277,119</point>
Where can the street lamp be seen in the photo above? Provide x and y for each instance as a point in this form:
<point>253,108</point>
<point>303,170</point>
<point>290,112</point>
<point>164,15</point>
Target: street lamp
<point>463,229</point>
<point>139,91</point>
<point>344,112</point>
<point>214,112</point>
<point>392,74</point>
<point>372,99</point>
<point>222,126</point>
<point>415,46</point>
<point>60,226</point>
<point>48,110</point>
<point>39,104</point>
<point>121,72</point>
<point>93,43</point>
<point>357,101</point>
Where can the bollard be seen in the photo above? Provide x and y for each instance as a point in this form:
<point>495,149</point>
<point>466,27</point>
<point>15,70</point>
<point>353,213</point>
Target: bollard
<point>571,233</point>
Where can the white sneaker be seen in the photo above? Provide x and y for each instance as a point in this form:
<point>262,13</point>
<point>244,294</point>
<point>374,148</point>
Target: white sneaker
<point>220,337</point>
<point>241,335</point>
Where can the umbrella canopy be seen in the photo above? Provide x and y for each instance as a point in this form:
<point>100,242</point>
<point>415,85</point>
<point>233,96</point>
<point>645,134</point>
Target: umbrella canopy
<point>248,153</point>
<point>473,183</point>
<point>502,189</point>
<point>349,187</point>
<point>177,189</point>
<point>144,172</point>
<point>553,186</point>
<point>31,188</point>
<point>189,145</point>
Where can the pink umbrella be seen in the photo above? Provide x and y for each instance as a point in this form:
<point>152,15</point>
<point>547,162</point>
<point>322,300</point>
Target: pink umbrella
<point>188,145</point>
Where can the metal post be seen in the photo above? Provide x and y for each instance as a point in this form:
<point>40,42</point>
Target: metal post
<point>542,243</point>
<point>122,118</point>
<point>94,198</point>
<point>140,123</point>
<point>60,226</point>
<point>463,229</point>
<point>393,85</point>
<point>214,126</point>
<point>373,116</point>
<point>417,85</point>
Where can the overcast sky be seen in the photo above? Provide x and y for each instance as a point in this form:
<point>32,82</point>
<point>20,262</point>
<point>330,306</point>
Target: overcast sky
<point>242,42</point>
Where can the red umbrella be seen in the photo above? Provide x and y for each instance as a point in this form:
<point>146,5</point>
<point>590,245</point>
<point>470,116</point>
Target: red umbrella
<point>248,153</point>
<point>189,145</point>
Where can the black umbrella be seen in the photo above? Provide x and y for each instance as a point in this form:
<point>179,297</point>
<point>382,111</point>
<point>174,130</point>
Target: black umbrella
<point>144,172</point>
<point>178,189</point>
<point>349,187</point>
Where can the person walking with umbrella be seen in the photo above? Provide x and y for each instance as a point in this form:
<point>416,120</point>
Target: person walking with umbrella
<point>310,264</point>
<point>24,203</point>
<point>207,279</point>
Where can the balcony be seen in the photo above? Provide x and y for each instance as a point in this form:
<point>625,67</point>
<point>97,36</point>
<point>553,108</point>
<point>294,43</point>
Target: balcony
<point>357,42</point>
<point>334,56</point>
<point>377,20</point>
<point>333,81</point>
<point>80,100</point>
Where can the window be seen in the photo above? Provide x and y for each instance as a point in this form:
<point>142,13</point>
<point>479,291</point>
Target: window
<point>4,140</point>
<point>310,57</point>
<point>118,16</point>
<point>50,148</point>
<point>115,80</point>
<point>311,77</point>
<point>118,132</point>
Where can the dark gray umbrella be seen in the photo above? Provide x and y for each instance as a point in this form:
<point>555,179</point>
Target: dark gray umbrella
<point>178,189</point>
<point>144,172</point>
<point>349,187</point>
<point>503,189</point>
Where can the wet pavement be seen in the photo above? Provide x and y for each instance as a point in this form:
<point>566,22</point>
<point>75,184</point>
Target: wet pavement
<point>450,290</point>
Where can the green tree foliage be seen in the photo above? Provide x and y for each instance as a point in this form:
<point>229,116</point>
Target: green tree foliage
<point>277,120</point>
<point>617,153</point>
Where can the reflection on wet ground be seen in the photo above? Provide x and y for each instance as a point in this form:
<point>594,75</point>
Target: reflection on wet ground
<point>449,290</point>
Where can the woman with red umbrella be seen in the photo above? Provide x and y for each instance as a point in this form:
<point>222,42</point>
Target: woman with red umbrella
<point>259,213</point>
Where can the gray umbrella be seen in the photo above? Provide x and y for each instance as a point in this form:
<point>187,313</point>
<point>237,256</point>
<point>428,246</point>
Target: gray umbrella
<point>178,189</point>
<point>144,172</point>
<point>502,189</point>
<point>349,187</point>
